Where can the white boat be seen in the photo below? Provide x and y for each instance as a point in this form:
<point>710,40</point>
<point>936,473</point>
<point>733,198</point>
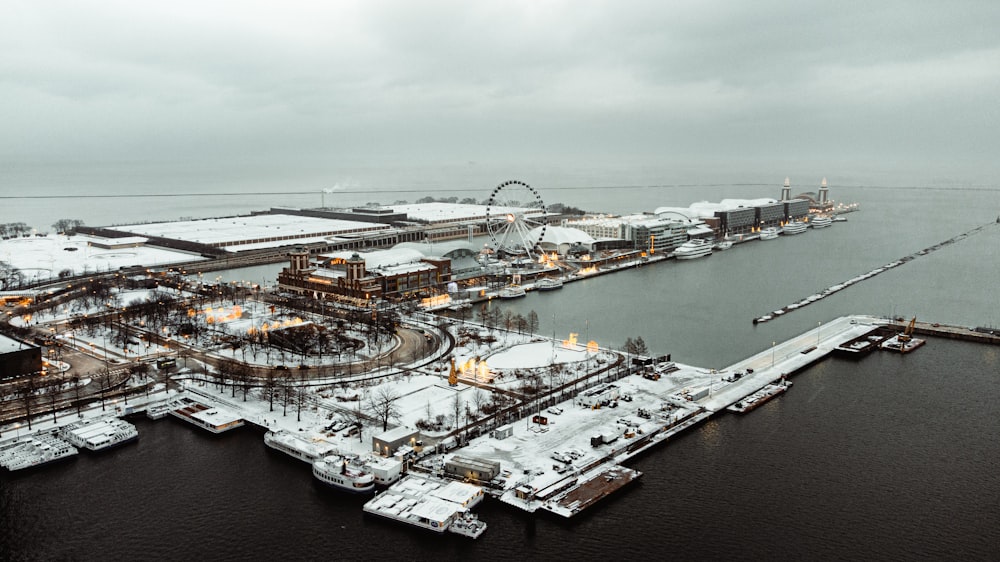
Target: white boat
<point>795,227</point>
<point>821,221</point>
<point>35,451</point>
<point>297,447</point>
<point>769,233</point>
<point>724,245</point>
<point>511,292</point>
<point>99,434</point>
<point>693,249</point>
<point>548,284</point>
<point>468,525</point>
<point>428,503</point>
<point>216,420</point>
<point>343,474</point>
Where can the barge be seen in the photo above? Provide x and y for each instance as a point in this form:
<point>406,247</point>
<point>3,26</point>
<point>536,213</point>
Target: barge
<point>757,399</point>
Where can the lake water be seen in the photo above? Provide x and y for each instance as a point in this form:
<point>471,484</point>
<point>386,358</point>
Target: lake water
<point>893,457</point>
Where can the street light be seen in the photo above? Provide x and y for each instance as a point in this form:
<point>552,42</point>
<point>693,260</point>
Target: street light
<point>772,352</point>
<point>818,324</point>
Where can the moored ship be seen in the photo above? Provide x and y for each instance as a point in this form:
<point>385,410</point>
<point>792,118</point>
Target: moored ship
<point>99,434</point>
<point>693,249</point>
<point>35,451</point>
<point>343,474</point>
<point>769,233</point>
<point>512,292</point>
<point>821,221</point>
<point>794,227</point>
<point>758,398</point>
<point>548,284</point>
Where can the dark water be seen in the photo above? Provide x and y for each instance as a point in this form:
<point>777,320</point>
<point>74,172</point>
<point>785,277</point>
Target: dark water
<point>895,457</point>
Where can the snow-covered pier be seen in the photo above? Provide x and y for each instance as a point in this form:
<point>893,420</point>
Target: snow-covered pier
<point>575,461</point>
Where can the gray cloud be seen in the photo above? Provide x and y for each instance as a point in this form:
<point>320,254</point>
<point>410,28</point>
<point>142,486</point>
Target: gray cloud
<point>449,81</point>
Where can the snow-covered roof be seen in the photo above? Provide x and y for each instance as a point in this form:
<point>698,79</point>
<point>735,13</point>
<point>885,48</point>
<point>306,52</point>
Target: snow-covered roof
<point>440,248</point>
<point>8,345</point>
<point>396,433</point>
<point>557,235</point>
<point>229,231</point>
<point>43,257</point>
<point>381,258</point>
<point>457,492</point>
<point>434,509</point>
<point>456,212</point>
<point>705,209</point>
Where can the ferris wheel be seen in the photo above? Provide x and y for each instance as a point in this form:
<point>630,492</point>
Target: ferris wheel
<point>513,211</point>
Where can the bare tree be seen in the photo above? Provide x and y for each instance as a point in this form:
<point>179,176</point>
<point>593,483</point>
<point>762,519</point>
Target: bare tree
<point>456,409</point>
<point>382,404</point>
<point>480,399</point>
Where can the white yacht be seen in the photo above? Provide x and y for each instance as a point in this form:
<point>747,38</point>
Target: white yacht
<point>821,221</point>
<point>548,284</point>
<point>512,292</point>
<point>693,249</point>
<point>297,447</point>
<point>99,434</point>
<point>795,227</point>
<point>34,451</point>
<point>343,474</point>
<point>769,233</point>
<point>724,245</point>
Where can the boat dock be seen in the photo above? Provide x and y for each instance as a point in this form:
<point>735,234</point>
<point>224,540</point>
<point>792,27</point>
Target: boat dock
<point>216,420</point>
<point>591,489</point>
<point>434,504</point>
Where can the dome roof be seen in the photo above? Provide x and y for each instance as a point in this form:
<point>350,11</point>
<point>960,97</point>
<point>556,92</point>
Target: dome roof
<point>558,235</point>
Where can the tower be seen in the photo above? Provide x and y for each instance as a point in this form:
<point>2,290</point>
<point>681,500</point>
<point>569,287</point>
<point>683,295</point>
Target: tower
<point>786,191</point>
<point>300,260</point>
<point>355,267</point>
<point>823,195</point>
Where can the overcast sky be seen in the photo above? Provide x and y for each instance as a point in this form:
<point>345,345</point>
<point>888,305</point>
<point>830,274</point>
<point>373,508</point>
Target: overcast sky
<point>911,83</point>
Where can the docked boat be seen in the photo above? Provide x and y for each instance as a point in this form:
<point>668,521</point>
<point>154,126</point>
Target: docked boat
<point>99,434</point>
<point>548,284</point>
<point>35,451</point>
<point>428,503</point>
<point>769,233</point>
<point>216,420</point>
<point>468,524</point>
<point>821,221</point>
<point>724,245</point>
<point>795,227</point>
<point>297,447</point>
<point>511,292</point>
<point>693,249</point>
<point>343,474</point>
<point>758,398</point>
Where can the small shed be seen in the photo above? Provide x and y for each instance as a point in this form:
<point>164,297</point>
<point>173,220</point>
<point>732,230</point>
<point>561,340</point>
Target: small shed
<point>387,443</point>
<point>502,432</point>
<point>472,468</point>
